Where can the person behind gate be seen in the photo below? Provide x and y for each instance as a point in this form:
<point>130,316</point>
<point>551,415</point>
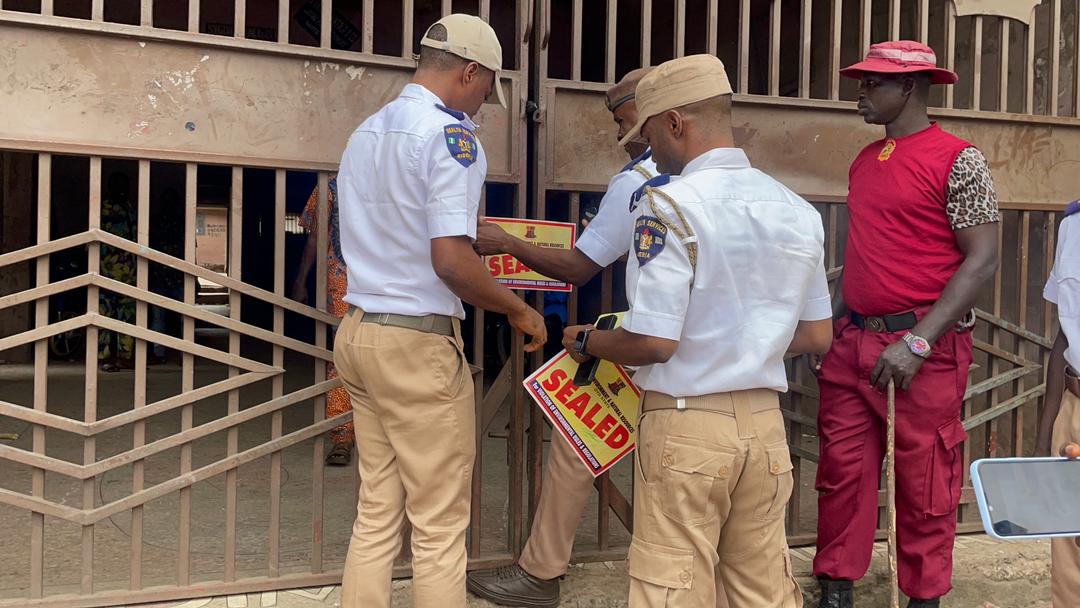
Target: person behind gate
<point>726,275</point>
<point>409,190</point>
<point>1061,416</point>
<point>922,239</point>
<point>533,581</point>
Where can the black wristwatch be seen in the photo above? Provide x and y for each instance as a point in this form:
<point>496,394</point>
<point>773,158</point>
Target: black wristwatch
<point>581,342</point>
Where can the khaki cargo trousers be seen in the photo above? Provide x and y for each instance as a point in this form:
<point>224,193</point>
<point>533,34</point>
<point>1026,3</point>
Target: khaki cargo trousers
<point>710,495</point>
<point>414,413</point>
<point>1064,552</point>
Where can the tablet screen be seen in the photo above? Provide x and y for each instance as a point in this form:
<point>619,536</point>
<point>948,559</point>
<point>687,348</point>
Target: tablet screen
<point>1032,498</point>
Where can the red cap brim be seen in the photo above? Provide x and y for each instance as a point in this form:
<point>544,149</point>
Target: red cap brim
<point>874,66</point>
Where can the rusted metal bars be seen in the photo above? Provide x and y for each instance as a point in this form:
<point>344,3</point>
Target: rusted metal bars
<point>976,93</point>
<point>142,282</point>
<point>950,48</point>
<point>193,16</point>
<point>47,7</point>
<point>646,33</point>
<point>277,387</point>
<point>447,7</point>
<point>835,31</point>
<point>485,10</point>
<point>407,32</point>
<point>367,45</point>
<point>240,18</point>
<point>575,52</point>
<point>806,15</point>
<point>866,16</point>
<point>322,243</point>
<point>744,47</point>
<point>90,396</point>
<point>187,375</point>
<point>283,18</point>
<point>1055,59</point>
<point>611,39</point>
<point>41,378</point>
<point>775,21</point>
<point>326,22</point>
<point>1003,78</point>
<point>97,10</point>
<point>680,28</point>
<point>235,259</point>
<point>894,19</point>
<point>146,13</point>
<point>924,21</point>
<point>712,27</point>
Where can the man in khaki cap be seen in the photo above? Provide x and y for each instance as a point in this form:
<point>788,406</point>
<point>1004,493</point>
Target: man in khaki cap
<point>408,191</point>
<point>726,276</point>
<point>534,580</point>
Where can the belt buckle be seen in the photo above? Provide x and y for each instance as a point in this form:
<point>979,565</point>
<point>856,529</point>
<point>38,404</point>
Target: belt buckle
<point>876,324</point>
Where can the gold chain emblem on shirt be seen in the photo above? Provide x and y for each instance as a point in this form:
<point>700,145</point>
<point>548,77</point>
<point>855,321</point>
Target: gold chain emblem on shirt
<point>886,152</point>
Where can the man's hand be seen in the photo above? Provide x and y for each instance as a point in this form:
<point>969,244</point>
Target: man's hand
<point>569,337</point>
<point>1042,445</point>
<point>896,363</point>
<point>529,322</point>
<point>491,239</point>
<point>814,362</point>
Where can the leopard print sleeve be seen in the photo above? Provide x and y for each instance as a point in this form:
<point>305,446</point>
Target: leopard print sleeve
<point>972,200</point>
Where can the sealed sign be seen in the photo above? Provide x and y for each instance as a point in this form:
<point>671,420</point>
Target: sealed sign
<point>511,272</point>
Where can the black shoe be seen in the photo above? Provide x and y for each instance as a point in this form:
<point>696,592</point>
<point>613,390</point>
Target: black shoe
<point>837,594</point>
<point>339,456</point>
<point>513,586</point>
<point>914,603</point>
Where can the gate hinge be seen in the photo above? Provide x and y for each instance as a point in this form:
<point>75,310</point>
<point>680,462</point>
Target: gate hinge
<point>533,111</point>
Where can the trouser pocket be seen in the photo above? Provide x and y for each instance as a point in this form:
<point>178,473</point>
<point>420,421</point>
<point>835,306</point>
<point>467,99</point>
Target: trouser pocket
<point>657,573</point>
<point>778,484</point>
<point>944,476</point>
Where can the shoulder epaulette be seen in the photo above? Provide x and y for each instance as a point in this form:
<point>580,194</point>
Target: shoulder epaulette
<point>655,182</point>
<point>630,165</point>
<point>1071,208</point>
<point>456,114</point>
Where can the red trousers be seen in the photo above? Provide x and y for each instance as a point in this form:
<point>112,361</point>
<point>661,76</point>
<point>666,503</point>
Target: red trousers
<point>851,428</point>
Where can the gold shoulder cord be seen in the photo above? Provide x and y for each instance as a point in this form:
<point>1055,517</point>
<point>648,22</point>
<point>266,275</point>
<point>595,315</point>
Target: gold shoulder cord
<point>681,229</point>
<point>643,171</point>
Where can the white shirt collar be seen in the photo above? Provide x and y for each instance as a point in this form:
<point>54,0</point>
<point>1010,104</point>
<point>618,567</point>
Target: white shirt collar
<point>422,93</point>
<point>718,158</point>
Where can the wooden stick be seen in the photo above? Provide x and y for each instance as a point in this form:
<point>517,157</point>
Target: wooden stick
<point>890,492</point>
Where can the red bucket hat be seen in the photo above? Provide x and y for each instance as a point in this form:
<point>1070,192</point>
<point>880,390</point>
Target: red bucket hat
<point>901,57</point>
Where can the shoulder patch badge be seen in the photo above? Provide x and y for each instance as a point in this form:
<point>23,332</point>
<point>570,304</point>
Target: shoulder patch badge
<point>650,236</point>
<point>655,182</point>
<point>461,143</point>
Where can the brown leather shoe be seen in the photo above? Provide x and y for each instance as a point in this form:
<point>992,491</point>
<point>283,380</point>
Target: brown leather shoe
<point>513,586</point>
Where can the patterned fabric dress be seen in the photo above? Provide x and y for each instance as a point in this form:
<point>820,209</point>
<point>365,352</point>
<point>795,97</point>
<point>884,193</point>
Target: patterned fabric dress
<point>337,400</point>
<point>117,217</point>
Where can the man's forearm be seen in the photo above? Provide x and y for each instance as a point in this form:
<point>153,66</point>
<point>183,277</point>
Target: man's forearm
<point>471,282</point>
<point>626,348</point>
<point>958,297</point>
<point>571,266</point>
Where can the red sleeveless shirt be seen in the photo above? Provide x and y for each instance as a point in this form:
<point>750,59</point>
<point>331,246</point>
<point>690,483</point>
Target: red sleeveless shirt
<point>901,248</point>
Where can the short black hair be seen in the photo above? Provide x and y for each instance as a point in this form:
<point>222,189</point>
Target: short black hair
<point>438,59</point>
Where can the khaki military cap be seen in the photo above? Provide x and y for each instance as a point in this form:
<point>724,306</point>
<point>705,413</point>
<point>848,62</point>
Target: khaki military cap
<point>677,83</point>
<point>470,38</point>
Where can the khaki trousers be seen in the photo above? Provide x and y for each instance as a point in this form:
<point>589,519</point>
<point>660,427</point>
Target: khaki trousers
<point>414,414</point>
<point>711,490</point>
<point>1065,554</point>
<point>567,487</point>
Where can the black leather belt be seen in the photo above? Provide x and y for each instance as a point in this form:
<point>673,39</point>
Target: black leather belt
<point>887,323</point>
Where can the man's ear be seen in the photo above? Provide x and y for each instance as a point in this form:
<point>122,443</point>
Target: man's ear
<point>472,70</point>
<point>677,122</point>
<point>909,86</point>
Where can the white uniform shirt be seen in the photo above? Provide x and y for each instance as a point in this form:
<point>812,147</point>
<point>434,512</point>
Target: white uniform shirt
<point>760,270</point>
<point>609,235</point>
<point>411,172</point>
<point>1063,286</point>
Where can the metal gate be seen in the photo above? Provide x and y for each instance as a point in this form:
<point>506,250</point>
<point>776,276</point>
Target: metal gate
<point>128,481</point>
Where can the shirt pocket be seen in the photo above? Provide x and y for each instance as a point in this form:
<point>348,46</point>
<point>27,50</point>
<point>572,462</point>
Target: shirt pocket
<point>689,470</point>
